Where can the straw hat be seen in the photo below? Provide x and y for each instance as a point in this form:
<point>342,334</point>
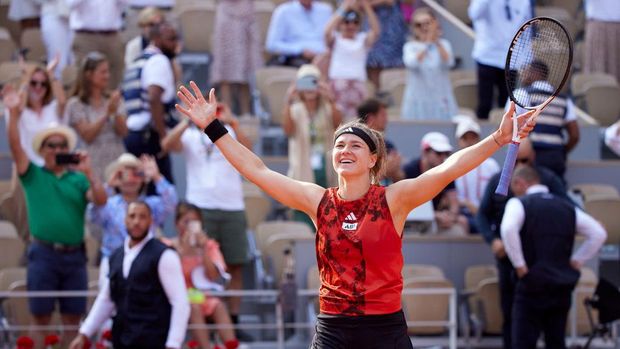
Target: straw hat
<point>54,129</point>
<point>125,160</point>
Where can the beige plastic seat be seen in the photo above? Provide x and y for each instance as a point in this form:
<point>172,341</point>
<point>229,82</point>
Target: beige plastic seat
<point>466,93</point>
<point>15,309</point>
<point>275,88</point>
<point>7,230</point>
<point>603,103</point>
<point>475,274</point>
<point>422,270</point>
<point>585,288</point>
<point>591,191</point>
<point>392,77</point>
<point>32,40</point>
<point>562,15</point>
<point>488,306</point>
<point>11,251</point>
<point>581,81</point>
<point>606,211</point>
<point>263,73</point>
<point>426,307</point>
<point>257,205</point>
<point>197,26</point>
<point>458,8</point>
<point>397,91</point>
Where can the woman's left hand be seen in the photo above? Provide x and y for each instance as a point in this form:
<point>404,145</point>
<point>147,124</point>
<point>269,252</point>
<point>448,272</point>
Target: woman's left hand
<point>196,107</point>
<point>149,166</point>
<point>525,124</point>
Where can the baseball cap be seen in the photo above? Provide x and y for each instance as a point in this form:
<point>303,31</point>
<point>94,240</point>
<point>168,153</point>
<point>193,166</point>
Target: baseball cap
<point>467,125</point>
<point>436,141</point>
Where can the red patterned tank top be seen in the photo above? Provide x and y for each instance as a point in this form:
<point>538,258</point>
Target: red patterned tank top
<point>359,255</point>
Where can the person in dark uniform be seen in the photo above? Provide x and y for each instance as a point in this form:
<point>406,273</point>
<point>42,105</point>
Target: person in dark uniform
<point>538,230</point>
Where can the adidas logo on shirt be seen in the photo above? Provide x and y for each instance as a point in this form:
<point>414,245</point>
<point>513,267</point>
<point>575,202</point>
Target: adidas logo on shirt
<point>350,222</point>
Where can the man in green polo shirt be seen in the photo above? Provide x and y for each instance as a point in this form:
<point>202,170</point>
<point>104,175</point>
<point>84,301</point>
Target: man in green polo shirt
<point>56,198</point>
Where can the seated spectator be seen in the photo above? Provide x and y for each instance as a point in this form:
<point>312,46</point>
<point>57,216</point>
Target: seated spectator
<point>295,34</point>
<point>310,118</point>
<point>128,176</point>
<point>97,115</point>
<point>349,51</point>
<point>428,58</point>
<point>203,268</point>
<point>556,119</point>
<point>435,148</point>
<point>147,18</point>
<point>612,137</point>
<point>472,185</point>
<point>56,198</point>
<point>373,113</point>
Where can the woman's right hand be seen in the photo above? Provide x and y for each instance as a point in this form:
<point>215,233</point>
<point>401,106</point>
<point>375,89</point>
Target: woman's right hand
<point>11,99</point>
<point>195,107</point>
<point>115,99</point>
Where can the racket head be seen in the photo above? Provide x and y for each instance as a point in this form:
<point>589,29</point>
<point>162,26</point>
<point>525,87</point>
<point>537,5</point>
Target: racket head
<point>541,51</point>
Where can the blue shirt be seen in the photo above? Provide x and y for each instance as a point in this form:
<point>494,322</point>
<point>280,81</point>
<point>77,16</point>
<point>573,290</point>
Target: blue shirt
<point>111,216</point>
<point>293,28</point>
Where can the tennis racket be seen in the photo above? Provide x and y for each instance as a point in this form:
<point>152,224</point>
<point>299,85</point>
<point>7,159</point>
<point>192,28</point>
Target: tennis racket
<point>537,67</point>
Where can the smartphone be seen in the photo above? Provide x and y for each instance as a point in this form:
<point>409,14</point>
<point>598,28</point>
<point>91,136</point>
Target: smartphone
<point>194,228</point>
<point>307,83</point>
<point>67,159</point>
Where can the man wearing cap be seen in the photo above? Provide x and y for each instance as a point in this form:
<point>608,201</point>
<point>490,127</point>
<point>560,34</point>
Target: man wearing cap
<point>471,186</point>
<point>435,148</point>
<point>56,199</point>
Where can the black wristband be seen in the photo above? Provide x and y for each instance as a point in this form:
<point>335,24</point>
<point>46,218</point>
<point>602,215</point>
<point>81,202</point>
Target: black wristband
<point>215,130</point>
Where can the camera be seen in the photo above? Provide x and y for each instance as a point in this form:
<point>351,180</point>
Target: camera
<point>67,159</point>
<point>307,83</point>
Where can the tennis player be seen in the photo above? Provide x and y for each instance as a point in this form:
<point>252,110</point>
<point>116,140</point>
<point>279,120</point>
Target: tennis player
<point>359,223</point>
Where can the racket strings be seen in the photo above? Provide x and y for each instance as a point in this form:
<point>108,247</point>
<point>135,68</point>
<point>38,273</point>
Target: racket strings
<point>540,58</point>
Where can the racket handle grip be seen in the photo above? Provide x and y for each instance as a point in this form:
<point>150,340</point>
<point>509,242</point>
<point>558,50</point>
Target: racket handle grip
<point>509,165</point>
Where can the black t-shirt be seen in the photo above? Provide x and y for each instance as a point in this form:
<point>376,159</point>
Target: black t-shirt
<point>413,169</point>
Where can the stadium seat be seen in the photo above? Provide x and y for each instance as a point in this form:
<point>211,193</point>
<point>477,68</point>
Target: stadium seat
<point>585,288</point>
<point>433,307</point>
<point>606,211</point>
<point>263,10</point>
<point>11,251</point>
<point>276,88</point>
<point>7,230</point>
<point>474,312</point>
<point>572,6</point>
<point>603,103</point>
<point>392,77</point>
<point>32,40</point>
<point>257,205</point>
<point>7,46</point>
<point>562,15</point>
<point>466,93</point>
<point>421,270</point>
<point>488,306</point>
<point>263,73</point>
<point>459,9</point>
<point>15,309</point>
<point>593,191</point>
<point>581,81</point>
<point>197,26</point>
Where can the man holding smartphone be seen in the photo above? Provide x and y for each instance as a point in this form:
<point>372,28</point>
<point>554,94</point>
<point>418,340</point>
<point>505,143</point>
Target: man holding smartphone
<point>56,197</point>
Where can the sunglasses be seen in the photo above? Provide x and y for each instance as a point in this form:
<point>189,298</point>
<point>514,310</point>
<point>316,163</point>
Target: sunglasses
<point>37,83</point>
<point>421,24</point>
<point>54,146</point>
<point>354,21</point>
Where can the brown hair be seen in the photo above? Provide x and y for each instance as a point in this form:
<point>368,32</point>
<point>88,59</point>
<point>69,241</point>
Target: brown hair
<point>82,87</point>
<point>418,12</point>
<point>377,171</point>
<point>183,208</point>
<point>47,99</point>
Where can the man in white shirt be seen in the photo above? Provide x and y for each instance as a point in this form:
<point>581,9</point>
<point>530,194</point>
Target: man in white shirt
<point>495,23</point>
<point>97,25</point>
<point>150,304</point>
<point>149,93</point>
<point>538,230</point>
<point>295,34</point>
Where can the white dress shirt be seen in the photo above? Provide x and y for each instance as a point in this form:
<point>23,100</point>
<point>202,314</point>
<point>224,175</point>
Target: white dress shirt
<point>612,137</point>
<point>494,31</point>
<point>514,217</point>
<point>171,277</point>
<point>293,28</point>
<point>96,14</point>
<point>472,185</point>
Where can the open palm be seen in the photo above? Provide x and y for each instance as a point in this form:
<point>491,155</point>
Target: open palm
<point>195,106</point>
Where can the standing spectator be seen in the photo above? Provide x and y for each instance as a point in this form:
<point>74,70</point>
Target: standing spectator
<point>296,32</point>
<point>56,33</point>
<point>147,18</point>
<point>203,267</point>
<point>435,149</point>
<point>148,90</point>
<point>538,230</point>
<point>56,198</point>
<point>349,51</point>
<point>602,48</point>
<point>495,23</point>
<point>215,186</point>
<point>127,176</point>
<point>488,222</point>
<point>472,185</point>
<point>26,12</point>
<point>428,58</point>
<point>310,118</point>
<point>612,137</point>
<point>387,51</point>
<point>548,135</point>
<point>236,51</point>
<point>97,115</point>
<point>373,113</point>
<point>97,26</point>
<point>144,291</point>
<point>135,7</point>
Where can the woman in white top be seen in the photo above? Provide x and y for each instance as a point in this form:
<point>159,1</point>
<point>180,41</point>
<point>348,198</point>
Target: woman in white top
<point>428,58</point>
<point>349,50</point>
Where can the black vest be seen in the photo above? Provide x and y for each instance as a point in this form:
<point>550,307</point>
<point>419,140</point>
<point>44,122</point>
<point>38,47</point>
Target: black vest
<point>142,308</point>
<point>547,238</point>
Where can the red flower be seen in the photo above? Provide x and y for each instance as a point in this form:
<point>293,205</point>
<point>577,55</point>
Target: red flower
<point>25,342</point>
<point>51,339</point>
<point>107,335</point>
<point>192,344</point>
